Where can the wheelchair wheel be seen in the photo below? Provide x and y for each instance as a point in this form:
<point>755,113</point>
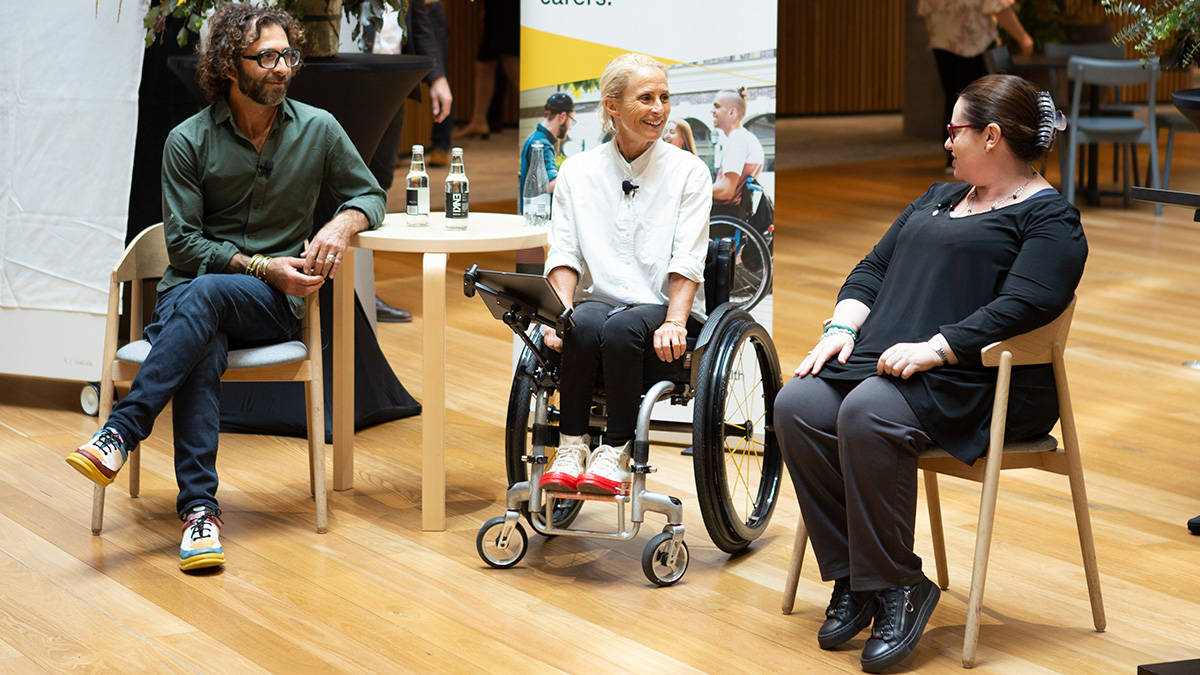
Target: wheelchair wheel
<point>487,543</point>
<point>518,439</point>
<point>656,560</point>
<point>753,268</point>
<point>737,460</point>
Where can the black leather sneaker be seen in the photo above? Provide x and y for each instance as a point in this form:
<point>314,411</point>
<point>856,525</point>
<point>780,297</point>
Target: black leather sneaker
<point>1194,525</point>
<point>900,619</point>
<point>848,613</point>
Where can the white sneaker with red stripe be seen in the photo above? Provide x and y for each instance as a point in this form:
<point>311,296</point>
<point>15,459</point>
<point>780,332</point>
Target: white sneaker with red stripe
<point>568,463</point>
<point>607,472</point>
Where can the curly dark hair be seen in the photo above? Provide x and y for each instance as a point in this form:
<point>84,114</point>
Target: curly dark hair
<point>232,28</point>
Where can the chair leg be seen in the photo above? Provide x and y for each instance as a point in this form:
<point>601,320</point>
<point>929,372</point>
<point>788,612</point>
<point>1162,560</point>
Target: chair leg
<point>983,544</point>
<point>1083,518</point>
<point>97,509</point>
<point>1125,181</point>
<point>316,452</point>
<point>134,471</point>
<point>797,561</point>
<point>933,499</point>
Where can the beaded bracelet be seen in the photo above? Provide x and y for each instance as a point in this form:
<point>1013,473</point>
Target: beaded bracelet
<point>840,329</point>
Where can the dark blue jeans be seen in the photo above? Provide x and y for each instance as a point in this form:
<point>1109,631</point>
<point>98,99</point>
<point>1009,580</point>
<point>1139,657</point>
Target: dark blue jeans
<point>195,325</point>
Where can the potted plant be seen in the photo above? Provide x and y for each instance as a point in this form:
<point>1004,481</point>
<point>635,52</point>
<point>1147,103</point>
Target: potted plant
<point>1166,28</point>
<point>321,18</point>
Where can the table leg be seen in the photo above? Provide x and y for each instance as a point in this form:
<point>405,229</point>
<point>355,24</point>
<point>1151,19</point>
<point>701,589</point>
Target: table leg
<point>433,405</point>
<point>343,374</point>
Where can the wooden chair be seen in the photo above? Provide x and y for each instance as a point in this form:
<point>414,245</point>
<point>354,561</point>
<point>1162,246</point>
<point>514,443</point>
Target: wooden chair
<point>294,361</point>
<point>1044,345</point>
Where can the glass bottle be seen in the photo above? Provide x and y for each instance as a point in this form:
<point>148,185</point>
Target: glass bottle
<point>458,192</point>
<point>417,193</point>
<point>535,199</point>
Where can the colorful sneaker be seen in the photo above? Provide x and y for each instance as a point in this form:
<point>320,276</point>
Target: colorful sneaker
<point>201,545</point>
<point>102,457</point>
<point>568,463</point>
<point>607,472</point>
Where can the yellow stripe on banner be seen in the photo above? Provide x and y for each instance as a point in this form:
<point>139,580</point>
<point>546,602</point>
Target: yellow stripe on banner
<point>549,59</point>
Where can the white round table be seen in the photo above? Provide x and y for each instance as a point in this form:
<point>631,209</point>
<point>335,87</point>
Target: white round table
<point>486,232</point>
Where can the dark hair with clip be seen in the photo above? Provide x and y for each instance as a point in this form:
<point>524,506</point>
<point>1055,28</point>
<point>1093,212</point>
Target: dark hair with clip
<point>1017,107</point>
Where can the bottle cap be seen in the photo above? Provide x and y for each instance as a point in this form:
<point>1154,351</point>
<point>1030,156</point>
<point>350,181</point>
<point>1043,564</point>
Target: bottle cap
<point>419,148</point>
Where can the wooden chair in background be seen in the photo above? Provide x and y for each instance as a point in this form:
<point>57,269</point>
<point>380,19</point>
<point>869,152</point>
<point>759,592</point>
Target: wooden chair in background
<point>1043,345</point>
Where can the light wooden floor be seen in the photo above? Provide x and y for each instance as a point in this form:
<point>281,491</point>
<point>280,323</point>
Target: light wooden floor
<point>376,594</point>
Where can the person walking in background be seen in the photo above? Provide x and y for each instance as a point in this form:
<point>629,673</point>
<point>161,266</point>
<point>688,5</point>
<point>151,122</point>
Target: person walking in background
<point>501,43</point>
<point>960,31</point>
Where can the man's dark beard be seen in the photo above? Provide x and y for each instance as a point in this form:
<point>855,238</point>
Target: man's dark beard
<point>256,90</point>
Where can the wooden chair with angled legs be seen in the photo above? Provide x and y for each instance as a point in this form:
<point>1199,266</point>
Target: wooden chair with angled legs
<point>293,361</point>
<point>1043,345</point>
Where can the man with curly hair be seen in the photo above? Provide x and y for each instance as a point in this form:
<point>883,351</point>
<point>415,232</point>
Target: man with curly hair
<point>240,181</point>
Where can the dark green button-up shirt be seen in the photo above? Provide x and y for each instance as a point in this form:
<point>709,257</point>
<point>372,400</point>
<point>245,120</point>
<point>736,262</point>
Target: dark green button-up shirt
<point>218,200</point>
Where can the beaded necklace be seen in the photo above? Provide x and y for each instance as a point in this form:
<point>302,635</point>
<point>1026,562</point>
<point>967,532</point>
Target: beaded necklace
<point>1016,193</point>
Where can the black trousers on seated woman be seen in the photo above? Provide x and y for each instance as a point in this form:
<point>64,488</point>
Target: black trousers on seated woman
<point>622,339</point>
<point>851,448</point>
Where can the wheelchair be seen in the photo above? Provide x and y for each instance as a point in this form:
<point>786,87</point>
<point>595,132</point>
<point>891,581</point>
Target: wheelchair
<point>733,376</point>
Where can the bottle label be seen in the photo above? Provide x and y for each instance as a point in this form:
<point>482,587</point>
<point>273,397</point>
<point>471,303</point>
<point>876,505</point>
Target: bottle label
<point>417,201</point>
<point>457,204</point>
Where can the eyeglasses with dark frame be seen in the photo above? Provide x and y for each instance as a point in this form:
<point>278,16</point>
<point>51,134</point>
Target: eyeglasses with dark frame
<point>270,58</point>
<point>951,129</point>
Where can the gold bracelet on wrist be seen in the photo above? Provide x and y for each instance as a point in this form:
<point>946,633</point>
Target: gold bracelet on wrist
<point>675,322</point>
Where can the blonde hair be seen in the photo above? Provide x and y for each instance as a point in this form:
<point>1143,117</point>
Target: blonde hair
<point>615,81</point>
<point>685,130</point>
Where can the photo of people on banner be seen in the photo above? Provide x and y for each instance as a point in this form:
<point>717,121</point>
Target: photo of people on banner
<point>720,111</point>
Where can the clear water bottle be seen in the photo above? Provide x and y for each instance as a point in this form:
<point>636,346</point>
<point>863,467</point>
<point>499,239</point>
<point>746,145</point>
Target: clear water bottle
<point>535,199</point>
<point>458,193</point>
<point>417,193</point>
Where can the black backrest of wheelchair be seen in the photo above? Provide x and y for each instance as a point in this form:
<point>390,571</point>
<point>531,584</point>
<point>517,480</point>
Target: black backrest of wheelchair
<point>718,273</point>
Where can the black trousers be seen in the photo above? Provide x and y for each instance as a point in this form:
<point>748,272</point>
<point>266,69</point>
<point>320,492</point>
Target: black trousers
<point>956,72</point>
<point>851,448</point>
<point>622,339</point>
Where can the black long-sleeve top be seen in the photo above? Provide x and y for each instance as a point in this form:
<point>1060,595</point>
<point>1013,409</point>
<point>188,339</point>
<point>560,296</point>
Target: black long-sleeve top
<point>975,279</point>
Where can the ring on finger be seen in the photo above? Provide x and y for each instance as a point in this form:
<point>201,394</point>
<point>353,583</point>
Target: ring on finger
<point>330,258</point>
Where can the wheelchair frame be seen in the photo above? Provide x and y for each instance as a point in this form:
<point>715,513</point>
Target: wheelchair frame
<point>502,541</point>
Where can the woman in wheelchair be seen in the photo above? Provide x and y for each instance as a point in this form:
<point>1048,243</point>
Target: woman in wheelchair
<point>898,366</point>
<point>628,241</point>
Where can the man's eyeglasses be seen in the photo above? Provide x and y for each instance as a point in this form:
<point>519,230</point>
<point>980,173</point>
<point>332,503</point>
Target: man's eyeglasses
<point>270,58</point>
<point>952,129</point>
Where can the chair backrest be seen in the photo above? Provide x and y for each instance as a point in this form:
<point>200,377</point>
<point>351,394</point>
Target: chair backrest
<point>1088,71</point>
<point>1094,50</point>
<point>998,60</point>
<point>1034,347</point>
<point>144,258</point>
<point>718,273</point>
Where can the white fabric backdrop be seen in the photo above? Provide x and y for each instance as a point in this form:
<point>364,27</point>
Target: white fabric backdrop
<point>69,73</point>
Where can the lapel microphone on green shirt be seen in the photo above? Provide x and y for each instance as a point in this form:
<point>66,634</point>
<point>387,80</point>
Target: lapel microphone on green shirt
<point>264,169</point>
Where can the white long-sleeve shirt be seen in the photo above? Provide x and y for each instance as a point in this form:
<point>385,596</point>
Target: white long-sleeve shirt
<point>625,247</point>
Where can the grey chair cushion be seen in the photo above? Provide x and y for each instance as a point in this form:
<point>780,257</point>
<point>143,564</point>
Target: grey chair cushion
<point>239,359</point>
<point>1044,443</point>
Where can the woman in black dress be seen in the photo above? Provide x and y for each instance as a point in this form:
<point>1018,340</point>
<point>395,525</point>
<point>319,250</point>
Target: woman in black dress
<point>898,366</point>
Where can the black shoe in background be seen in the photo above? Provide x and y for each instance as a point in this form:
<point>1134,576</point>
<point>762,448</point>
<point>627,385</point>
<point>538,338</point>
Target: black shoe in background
<point>900,619</point>
<point>848,613</point>
<point>1194,525</point>
<point>388,314</point>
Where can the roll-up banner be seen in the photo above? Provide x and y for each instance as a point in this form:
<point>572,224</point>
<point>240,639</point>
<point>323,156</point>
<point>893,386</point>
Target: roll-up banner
<point>718,56</point>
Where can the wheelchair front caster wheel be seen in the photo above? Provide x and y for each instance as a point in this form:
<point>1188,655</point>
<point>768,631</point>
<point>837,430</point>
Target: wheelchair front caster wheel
<point>657,563</point>
<point>498,553</point>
